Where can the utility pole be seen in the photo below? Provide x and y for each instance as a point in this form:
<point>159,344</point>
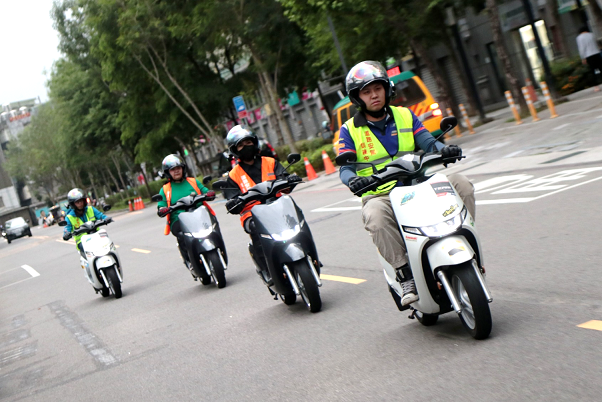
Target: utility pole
<point>542,54</point>
<point>453,24</point>
<point>337,45</point>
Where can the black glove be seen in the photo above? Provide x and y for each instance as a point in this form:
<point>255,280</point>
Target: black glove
<point>451,151</point>
<point>293,178</point>
<point>108,219</point>
<point>67,236</point>
<point>210,195</point>
<point>162,211</point>
<point>357,183</point>
<point>234,206</point>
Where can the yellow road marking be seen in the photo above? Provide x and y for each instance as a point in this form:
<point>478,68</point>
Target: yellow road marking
<point>354,281</point>
<point>66,241</point>
<point>593,324</point>
<point>139,250</point>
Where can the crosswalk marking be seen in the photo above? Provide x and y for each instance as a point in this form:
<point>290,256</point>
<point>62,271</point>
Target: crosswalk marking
<point>345,279</point>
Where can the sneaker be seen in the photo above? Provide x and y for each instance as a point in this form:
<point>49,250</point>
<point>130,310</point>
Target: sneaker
<point>409,292</point>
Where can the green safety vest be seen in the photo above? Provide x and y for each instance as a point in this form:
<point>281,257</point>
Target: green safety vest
<point>76,222</point>
<point>370,149</point>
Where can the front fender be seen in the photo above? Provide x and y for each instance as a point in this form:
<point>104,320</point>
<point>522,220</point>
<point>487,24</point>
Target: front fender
<point>104,262</point>
<point>292,252</point>
<point>451,250</point>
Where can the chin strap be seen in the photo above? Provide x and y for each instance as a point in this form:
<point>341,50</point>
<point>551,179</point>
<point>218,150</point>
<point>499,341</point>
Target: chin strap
<point>378,114</point>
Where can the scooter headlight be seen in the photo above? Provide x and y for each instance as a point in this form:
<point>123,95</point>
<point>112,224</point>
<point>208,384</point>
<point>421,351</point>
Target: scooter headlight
<point>287,234</point>
<point>202,233</point>
<point>445,227</point>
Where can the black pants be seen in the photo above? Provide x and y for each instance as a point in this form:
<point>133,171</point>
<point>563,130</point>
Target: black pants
<point>250,228</point>
<point>80,247</point>
<point>595,63</point>
<point>176,231</point>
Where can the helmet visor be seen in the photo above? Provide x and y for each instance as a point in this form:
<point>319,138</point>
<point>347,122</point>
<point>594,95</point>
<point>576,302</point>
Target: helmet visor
<point>363,74</point>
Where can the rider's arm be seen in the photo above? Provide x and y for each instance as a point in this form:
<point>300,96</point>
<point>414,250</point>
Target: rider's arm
<point>423,138</point>
<point>68,228</point>
<point>346,144</point>
<point>204,190</point>
<point>98,214</point>
<point>162,203</point>
<point>235,192</point>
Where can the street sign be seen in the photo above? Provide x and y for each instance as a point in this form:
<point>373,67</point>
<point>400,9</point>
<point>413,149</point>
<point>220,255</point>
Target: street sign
<point>293,98</point>
<point>239,105</point>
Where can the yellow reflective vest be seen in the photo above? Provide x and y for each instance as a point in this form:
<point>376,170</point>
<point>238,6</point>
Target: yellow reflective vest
<point>76,222</point>
<point>369,149</point>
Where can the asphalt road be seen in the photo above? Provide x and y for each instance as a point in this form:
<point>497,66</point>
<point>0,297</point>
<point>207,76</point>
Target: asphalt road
<point>170,338</point>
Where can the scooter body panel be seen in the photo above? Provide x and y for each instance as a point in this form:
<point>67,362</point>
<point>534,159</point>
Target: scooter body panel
<point>101,253</point>
<point>202,232</point>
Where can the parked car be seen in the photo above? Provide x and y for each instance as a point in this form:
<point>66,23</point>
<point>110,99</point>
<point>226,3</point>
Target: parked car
<point>15,228</point>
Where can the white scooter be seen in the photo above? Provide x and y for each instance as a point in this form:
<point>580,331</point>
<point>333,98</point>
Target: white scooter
<point>101,264</point>
<point>443,248</point>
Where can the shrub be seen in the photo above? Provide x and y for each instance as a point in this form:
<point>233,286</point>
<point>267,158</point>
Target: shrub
<point>571,75</point>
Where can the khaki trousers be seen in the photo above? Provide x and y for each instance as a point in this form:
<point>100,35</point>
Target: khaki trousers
<point>380,221</point>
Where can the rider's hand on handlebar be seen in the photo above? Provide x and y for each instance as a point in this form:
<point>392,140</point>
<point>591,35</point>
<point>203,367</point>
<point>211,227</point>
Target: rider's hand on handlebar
<point>67,236</point>
<point>357,184</point>
<point>210,195</point>
<point>234,206</point>
<point>451,151</point>
<point>108,219</point>
<point>293,178</point>
<point>162,211</point>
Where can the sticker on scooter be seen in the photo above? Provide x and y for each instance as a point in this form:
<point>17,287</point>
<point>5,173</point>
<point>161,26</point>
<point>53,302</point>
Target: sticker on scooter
<point>450,210</point>
<point>408,197</point>
<point>443,188</point>
<point>411,238</point>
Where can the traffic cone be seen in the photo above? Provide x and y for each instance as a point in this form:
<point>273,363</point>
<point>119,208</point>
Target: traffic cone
<point>130,206</point>
<point>328,166</point>
<point>311,173</point>
<point>142,204</point>
<point>136,205</point>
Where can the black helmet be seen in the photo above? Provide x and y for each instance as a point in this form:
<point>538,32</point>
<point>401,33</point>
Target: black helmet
<point>365,73</point>
<point>170,162</point>
<point>74,195</point>
<point>236,135</point>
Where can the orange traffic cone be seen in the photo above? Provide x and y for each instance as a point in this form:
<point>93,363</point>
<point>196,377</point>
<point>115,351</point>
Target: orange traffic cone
<point>142,204</point>
<point>328,166</point>
<point>136,205</point>
<point>311,173</point>
<point>130,206</point>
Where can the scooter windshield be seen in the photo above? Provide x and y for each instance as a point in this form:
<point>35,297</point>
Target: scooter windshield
<point>276,217</point>
<point>196,220</point>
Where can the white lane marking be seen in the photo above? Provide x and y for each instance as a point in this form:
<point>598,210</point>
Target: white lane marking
<point>326,209</point>
<point>561,126</point>
<point>510,155</point>
<point>505,201</point>
<point>30,270</point>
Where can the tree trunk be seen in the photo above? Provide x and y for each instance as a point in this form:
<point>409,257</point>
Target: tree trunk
<point>444,91</point>
<point>116,163</point>
<point>115,182</point>
<point>271,116</point>
<point>515,88</point>
<point>148,190</point>
<point>556,27</point>
<point>91,177</point>
<point>468,94</point>
<point>597,14</point>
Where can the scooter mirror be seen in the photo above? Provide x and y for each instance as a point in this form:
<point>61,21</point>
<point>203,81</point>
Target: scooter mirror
<point>220,185</point>
<point>157,198</point>
<point>207,179</point>
<point>293,158</point>
<point>106,207</point>
<point>447,123</point>
<point>346,158</point>
<point>62,223</point>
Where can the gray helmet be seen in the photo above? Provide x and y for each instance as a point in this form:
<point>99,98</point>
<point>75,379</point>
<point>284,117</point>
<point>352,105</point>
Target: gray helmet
<point>236,135</point>
<point>74,195</point>
<point>170,162</point>
<point>365,73</point>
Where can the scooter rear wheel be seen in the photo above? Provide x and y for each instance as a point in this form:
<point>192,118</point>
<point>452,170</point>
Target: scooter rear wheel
<point>475,316</point>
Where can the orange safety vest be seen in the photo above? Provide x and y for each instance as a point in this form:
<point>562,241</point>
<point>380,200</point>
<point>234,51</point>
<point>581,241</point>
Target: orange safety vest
<point>240,177</point>
<point>167,192</point>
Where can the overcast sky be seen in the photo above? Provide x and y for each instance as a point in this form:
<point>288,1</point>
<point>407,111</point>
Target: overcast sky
<point>29,48</point>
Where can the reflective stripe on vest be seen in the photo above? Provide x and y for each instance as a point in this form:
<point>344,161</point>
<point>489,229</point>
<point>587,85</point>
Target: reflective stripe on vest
<point>167,192</point>
<point>370,149</point>
<point>76,222</point>
<point>244,181</point>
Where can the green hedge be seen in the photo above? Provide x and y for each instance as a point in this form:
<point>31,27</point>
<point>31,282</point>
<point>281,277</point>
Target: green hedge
<point>571,75</point>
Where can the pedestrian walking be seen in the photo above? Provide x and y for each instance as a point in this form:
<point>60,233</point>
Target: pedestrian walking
<point>590,54</point>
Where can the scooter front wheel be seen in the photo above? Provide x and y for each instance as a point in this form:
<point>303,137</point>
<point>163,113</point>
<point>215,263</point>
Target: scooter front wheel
<point>307,285</point>
<point>114,283</point>
<point>475,315</point>
<point>217,268</point>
